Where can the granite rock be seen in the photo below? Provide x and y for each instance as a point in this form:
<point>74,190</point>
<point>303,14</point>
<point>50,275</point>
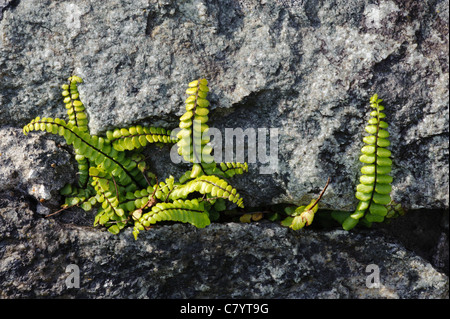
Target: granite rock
<point>259,260</point>
<point>304,68</point>
<point>36,166</point>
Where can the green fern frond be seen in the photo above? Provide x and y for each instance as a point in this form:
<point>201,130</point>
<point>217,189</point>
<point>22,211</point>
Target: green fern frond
<point>374,189</point>
<point>137,137</point>
<point>231,169</point>
<point>75,108</point>
<point>303,216</point>
<point>185,211</point>
<point>211,185</point>
<point>96,149</point>
<point>191,145</point>
<point>76,196</point>
<point>108,191</point>
<point>224,170</point>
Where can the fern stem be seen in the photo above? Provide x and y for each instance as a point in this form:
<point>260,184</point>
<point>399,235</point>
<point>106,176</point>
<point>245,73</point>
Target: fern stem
<point>214,184</point>
<point>62,209</point>
<point>115,186</point>
<point>321,194</point>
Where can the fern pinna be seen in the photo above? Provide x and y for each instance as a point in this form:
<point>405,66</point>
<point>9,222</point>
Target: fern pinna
<point>113,174</point>
<point>374,189</point>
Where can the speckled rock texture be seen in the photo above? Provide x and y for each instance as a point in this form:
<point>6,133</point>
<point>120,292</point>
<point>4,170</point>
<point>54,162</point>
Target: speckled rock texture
<point>260,260</point>
<point>306,68</point>
<point>303,67</point>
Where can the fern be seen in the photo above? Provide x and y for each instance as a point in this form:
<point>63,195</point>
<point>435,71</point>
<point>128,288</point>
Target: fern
<point>75,108</point>
<point>373,192</point>
<point>113,174</point>
<point>137,137</point>
<point>302,216</point>
<point>208,185</point>
<point>186,211</point>
<point>193,125</point>
<point>114,178</point>
<point>193,138</point>
<point>96,149</point>
<point>374,189</point>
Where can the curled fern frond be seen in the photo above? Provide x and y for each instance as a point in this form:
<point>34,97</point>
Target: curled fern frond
<point>210,185</point>
<point>374,189</point>
<point>186,211</point>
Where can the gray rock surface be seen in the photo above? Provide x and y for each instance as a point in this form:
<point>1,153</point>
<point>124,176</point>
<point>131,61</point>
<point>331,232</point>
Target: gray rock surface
<point>303,67</point>
<point>260,260</point>
<point>34,165</point>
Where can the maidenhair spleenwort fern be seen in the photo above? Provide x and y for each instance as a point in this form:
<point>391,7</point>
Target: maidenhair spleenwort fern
<point>113,174</point>
<point>373,192</point>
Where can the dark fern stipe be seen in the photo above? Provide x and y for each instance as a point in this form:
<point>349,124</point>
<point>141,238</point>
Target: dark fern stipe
<point>113,174</point>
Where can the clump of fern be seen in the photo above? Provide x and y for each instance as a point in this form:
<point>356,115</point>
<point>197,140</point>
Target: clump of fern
<point>373,192</point>
<point>114,178</point>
